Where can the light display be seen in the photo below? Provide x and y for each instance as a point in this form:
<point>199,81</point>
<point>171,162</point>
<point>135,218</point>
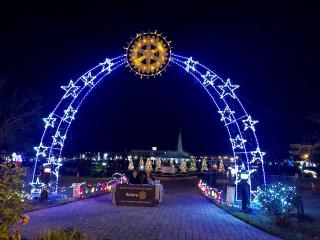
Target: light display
<point>87,190</point>
<point>277,199</point>
<point>210,192</point>
<point>193,165</point>
<point>130,166</point>
<point>148,54</point>
<point>148,166</point>
<point>158,165</point>
<point>204,166</point>
<point>239,124</point>
<point>183,166</point>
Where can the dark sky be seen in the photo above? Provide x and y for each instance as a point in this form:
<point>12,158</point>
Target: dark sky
<point>271,51</point>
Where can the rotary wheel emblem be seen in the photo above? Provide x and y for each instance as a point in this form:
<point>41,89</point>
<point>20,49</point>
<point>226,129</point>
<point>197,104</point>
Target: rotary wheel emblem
<point>148,54</point>
<point>142,195</point>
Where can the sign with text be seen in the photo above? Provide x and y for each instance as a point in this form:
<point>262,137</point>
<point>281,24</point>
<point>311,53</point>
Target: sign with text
<point>135,195</point>
<point>230,195</point>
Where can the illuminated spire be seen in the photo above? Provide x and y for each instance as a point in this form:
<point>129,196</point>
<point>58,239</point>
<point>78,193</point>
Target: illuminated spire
<point>180,143</point>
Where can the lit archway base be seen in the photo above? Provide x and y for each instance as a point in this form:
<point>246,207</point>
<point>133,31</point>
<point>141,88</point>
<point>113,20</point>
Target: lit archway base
<point>239,124</point>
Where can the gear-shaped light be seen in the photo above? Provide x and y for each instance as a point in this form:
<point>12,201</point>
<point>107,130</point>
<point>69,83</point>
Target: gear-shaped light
<point>148,54</point>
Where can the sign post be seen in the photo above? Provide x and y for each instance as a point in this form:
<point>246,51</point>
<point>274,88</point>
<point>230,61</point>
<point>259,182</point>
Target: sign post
<point>135,195</point>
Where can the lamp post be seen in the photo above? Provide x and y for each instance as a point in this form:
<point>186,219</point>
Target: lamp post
<point>245,196</point>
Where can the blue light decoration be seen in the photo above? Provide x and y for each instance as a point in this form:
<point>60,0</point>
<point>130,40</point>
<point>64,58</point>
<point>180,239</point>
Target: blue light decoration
<point>239,124</point>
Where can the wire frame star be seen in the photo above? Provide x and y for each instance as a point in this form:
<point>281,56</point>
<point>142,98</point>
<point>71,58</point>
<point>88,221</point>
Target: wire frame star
<point>257,155</point>
<point>106,65</point>
<point>71,90</point>
<point>41,150</point>
<point>209,78</point>
<point>226,114</point>
<point>58,139</point>
<point>69,114</point>
<point>88,79</point>
<point>190,64</point>
<point>249,123</point>
<point>49,121</point>
<point>238,142</point>
<point>228,89</point>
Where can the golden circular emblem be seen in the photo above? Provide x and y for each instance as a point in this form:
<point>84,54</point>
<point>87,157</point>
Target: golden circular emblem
<point>142,195</point>
<point>148,54</point>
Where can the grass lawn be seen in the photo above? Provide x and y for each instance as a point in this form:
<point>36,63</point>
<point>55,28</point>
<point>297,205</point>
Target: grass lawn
<point>308,228</point>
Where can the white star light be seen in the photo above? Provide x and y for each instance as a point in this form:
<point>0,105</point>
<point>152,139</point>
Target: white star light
<point>249,123</point>
<point>257,155</point>
<point>226,114</point>
<point>209,78</point>
<point>69,114</point>
<point>37,184</point>
<point>228,89</point>
<point>88,80</point>
<point>106,65</point>
<point>190,64</point>
<point>49,121</point>
<point>41,150</point>
<point>71,90</point>
<point>58,139</point>
<point>238,142</point>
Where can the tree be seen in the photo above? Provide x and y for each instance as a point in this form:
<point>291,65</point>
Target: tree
<point>183,166</point>
<point>148,166</point>
<point>131,166</point>
<point>171,163</point>
<point>204,166</point>
<point>193,165</point>
<point>278,200</point>
<point>221,166</point>
<point>141,163</point>
<point>12,202</point>
<point>19,117</point>
<point>158,165</point>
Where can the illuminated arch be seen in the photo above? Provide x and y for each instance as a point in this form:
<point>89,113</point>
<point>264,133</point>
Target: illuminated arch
<point>239,124</point>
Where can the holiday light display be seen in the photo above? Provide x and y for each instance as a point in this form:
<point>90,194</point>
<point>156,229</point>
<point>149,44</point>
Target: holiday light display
<point>277,199</point>
<point>141,164</point>
<point>148,166</point>
<point>130,166</point>
<point>193,165</point>
<point>210,192</point>
<point>87,190</point>
<point>158,165</point>
<point>239,124</point>
<point>204,167</point>
<point>183,166</point>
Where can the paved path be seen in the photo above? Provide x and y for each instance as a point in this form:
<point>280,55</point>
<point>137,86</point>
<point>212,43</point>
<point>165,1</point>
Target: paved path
<point>184,214</point>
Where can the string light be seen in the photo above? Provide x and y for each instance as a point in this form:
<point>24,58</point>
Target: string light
<point>190,64</point>
<point>249,123</point>
<point>209,78</point>
<point>49,121</point>
<point>71,90</point>
<point>226,114</point>
<point>69,114</point>
<point>238,142</point>
<point>238,128</point>
<point>228,89</point>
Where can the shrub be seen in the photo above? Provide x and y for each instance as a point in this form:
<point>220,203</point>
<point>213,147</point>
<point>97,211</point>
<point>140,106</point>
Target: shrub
<point>66,234</point>
<point>278,200</point>
<point>12,202</point>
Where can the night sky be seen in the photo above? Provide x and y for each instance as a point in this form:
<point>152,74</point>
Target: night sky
<point>271,51</point>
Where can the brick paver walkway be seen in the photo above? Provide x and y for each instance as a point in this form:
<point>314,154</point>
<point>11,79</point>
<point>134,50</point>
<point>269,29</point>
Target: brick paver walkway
<point>184,214</point>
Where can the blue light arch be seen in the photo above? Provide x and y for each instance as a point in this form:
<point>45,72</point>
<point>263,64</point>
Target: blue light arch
<point>239,124</point>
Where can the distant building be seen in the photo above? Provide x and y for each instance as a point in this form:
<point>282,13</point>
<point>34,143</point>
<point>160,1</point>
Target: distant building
<point>306,152</point>
<point>164,155</point>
